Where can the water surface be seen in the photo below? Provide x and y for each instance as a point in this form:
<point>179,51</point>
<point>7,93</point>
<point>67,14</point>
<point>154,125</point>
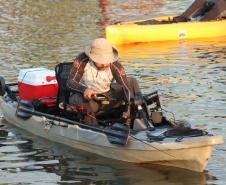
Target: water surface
<point>189,75</point>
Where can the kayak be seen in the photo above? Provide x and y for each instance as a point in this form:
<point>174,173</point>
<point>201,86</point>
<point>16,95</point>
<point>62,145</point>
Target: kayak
<point>163,29</point>
<point>171,145</point>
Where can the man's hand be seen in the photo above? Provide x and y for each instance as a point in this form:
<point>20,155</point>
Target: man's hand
<point>88,93</point>
<point>125,115</point>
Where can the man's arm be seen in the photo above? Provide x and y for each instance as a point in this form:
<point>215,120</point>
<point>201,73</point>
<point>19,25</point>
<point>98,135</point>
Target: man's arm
<point>75,77</point>
<point>119,74</point>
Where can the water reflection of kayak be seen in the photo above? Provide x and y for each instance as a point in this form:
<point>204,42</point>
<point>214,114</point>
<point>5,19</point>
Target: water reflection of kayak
<point>163,29</point>
<point>168,144</point>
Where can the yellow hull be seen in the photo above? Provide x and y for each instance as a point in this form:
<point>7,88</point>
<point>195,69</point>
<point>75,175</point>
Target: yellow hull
<point>131,32</point>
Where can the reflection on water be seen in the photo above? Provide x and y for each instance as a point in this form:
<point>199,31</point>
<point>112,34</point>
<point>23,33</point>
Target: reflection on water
<point>189,75</point>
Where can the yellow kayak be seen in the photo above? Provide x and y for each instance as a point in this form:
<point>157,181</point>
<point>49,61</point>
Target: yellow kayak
<point>163,29</point>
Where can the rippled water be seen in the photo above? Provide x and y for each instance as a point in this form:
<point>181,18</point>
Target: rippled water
<point>189,75</point>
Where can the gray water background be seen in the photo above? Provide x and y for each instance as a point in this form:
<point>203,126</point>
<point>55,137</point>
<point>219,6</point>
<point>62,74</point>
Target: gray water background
<point>189,75</point>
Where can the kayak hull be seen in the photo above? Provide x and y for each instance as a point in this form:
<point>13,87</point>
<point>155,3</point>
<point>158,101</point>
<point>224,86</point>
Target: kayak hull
<point>189,153</point>
<point>134,32</point>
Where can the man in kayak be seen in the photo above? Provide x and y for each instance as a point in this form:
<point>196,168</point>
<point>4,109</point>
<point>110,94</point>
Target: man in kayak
<point>204,10</point>
<point>92,74</point>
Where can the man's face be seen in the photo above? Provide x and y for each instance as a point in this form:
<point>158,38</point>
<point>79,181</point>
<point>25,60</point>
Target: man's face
<point>101,66</point>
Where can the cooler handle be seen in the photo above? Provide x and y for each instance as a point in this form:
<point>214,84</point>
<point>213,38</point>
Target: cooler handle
<point>50,78</point>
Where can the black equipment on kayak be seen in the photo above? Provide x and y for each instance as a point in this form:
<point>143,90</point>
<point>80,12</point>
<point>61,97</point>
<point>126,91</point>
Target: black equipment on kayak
<point>62,71</point>
<point>153,98</point>
<point>6,88</point>
<point>154,106</point>
<point>11,93</point>
<point>45,104</point>
<point>142,109</point>
<point>2,86</point>
<point>178,133</point>
<point>117,134</point>
<point>149,109</point>
<point>184,132</point>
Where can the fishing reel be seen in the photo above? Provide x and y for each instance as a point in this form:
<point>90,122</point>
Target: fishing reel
<point>154,107</point>
<point>102,99</point>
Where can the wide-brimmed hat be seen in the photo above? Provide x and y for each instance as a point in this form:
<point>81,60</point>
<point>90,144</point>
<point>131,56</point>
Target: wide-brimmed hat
<point>101,51</point>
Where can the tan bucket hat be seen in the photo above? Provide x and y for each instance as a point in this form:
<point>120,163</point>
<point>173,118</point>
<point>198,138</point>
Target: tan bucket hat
<point>101,51</point>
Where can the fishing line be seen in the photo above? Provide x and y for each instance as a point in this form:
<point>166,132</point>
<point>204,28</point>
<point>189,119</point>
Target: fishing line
<point>173,122</point>
<point>147,143</point>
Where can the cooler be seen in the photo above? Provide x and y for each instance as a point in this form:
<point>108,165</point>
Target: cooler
<point>35,83</point>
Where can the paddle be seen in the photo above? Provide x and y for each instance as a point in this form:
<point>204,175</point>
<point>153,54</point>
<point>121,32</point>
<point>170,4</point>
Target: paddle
<point>117,134</point>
